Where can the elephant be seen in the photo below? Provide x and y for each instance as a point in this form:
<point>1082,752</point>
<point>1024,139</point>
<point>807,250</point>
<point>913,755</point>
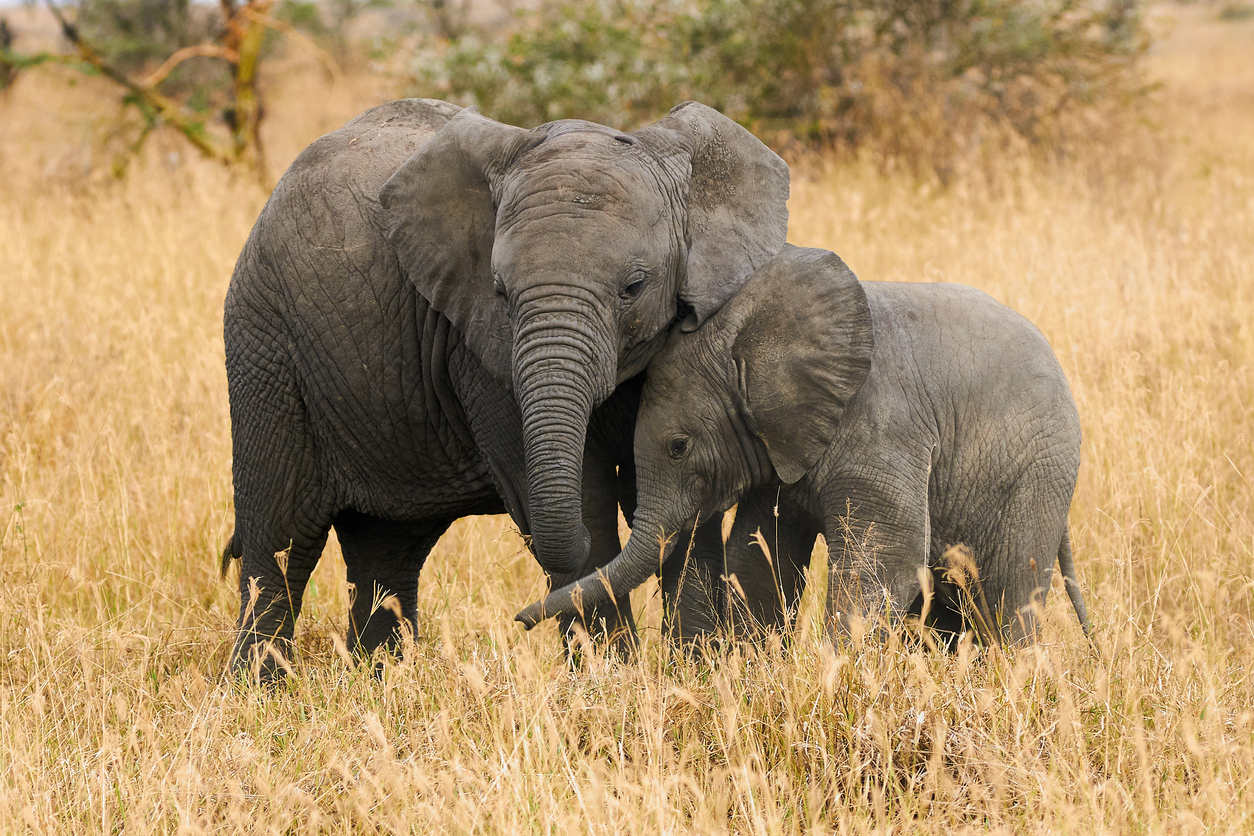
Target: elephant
<point>896,419</point>
<point>438,315</point>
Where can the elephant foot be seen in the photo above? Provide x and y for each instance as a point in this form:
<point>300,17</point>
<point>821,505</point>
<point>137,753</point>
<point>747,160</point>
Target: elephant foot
<point>263,662</point>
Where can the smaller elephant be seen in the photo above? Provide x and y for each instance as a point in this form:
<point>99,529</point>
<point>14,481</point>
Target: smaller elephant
<point>896,419</point>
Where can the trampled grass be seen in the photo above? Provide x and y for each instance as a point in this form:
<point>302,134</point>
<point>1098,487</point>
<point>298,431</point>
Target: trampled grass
<point>1133,259</point>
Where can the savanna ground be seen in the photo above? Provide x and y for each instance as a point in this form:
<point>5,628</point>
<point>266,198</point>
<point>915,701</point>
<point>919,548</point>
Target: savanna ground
<point>1134,259</point>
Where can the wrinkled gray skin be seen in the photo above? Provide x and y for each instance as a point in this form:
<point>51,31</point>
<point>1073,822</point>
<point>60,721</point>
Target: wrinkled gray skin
<point>894,419</point>
<point>428,311</point>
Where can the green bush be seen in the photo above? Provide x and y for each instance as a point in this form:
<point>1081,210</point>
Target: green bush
<point>915,79</point>
<point>137,34</point>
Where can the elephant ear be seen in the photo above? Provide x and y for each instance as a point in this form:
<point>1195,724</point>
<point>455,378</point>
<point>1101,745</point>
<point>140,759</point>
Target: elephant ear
<point>439,214</point>
<point>802,352</point>
<point>737,202</point>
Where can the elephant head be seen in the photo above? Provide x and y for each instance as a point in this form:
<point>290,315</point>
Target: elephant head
<point>753,397</point>
<point>563,253</point>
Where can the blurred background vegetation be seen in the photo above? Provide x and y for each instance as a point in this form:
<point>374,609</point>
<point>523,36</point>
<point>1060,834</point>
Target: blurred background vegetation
<point>929,84</point>
<point>923,80</point>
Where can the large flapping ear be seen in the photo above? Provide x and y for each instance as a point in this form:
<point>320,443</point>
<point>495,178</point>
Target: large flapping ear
<point>737,202</point>
<point>802,352</point>
<point>440,216</point>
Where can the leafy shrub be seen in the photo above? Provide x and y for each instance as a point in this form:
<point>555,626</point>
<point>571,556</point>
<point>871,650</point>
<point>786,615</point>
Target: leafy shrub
<point>927,80</point>
<point>1236,11</point>
<point>135,34</point>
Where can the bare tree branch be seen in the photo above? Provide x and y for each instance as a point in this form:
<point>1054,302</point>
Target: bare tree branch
<point>241,41</point>
<point>199,51</point>
<point>168,109</point>
<point>329,64</point>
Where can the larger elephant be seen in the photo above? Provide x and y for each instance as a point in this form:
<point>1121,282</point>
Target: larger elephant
<point>428,311</point>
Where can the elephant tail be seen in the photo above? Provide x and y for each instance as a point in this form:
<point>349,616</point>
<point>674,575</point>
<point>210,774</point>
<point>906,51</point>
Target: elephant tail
<point>1066,565</point>
<point>228,554</point>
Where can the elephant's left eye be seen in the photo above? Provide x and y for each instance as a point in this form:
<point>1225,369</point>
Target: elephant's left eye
<point>678,446</point>
<point>633,288</point>
<point>498,284</point>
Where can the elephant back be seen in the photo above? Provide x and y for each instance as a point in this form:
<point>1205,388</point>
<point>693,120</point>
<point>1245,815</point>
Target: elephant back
<point>321,219</point>
<point>364,153</point>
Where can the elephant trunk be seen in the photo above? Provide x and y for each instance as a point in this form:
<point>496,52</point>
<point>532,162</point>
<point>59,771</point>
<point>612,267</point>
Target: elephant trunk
<point>644,553</point>
<point>559,374</point>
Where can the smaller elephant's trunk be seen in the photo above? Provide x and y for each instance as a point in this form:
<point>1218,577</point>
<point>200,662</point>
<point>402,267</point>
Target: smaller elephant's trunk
<point>645,551</point>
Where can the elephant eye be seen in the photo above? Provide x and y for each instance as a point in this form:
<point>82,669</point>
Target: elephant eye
<point>498,284</point>
<point>633,289</point>
<point>678,446</point>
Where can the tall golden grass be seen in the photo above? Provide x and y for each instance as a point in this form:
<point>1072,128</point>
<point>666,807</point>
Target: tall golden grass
<point>1134,259</point>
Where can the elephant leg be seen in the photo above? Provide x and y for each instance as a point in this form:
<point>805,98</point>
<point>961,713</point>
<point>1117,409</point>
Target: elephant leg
<point>281,516</point>
<point>614,627</point>
<point>1016,558</point>
<point>383,559</point>
<point>692,587</point>
<point>766,574</point>
<point>878,538</point>
<point>273,574</point>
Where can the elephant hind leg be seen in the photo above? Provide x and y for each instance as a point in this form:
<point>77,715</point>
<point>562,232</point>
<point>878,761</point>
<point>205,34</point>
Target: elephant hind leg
<point>383,559</point>
<point>275,566</point>
<point>282,514</point>
<point>1016,559</point>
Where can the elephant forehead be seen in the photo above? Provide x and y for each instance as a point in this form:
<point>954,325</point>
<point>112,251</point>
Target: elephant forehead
<point>689,405</point>
<point>584,170</point>
<point>590,241</point>
<point>582,143</point>
<point>569,219</point>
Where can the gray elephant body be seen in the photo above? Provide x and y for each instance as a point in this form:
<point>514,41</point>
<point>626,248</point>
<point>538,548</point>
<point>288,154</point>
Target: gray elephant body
<point>414,333</point>
<point>915,418</point>
<point>355,404</point>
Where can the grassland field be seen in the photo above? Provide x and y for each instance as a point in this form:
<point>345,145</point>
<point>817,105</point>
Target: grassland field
<point>1134,258</point>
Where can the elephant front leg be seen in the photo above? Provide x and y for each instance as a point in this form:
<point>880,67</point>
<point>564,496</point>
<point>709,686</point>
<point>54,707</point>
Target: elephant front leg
<point>859,600</point>
<point>611,627</point>
<point>692,586</point>
<point>878,537</point>
<point>768,551</point>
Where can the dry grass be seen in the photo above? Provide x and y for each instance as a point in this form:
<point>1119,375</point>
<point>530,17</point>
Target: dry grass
<point>114,498</point>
